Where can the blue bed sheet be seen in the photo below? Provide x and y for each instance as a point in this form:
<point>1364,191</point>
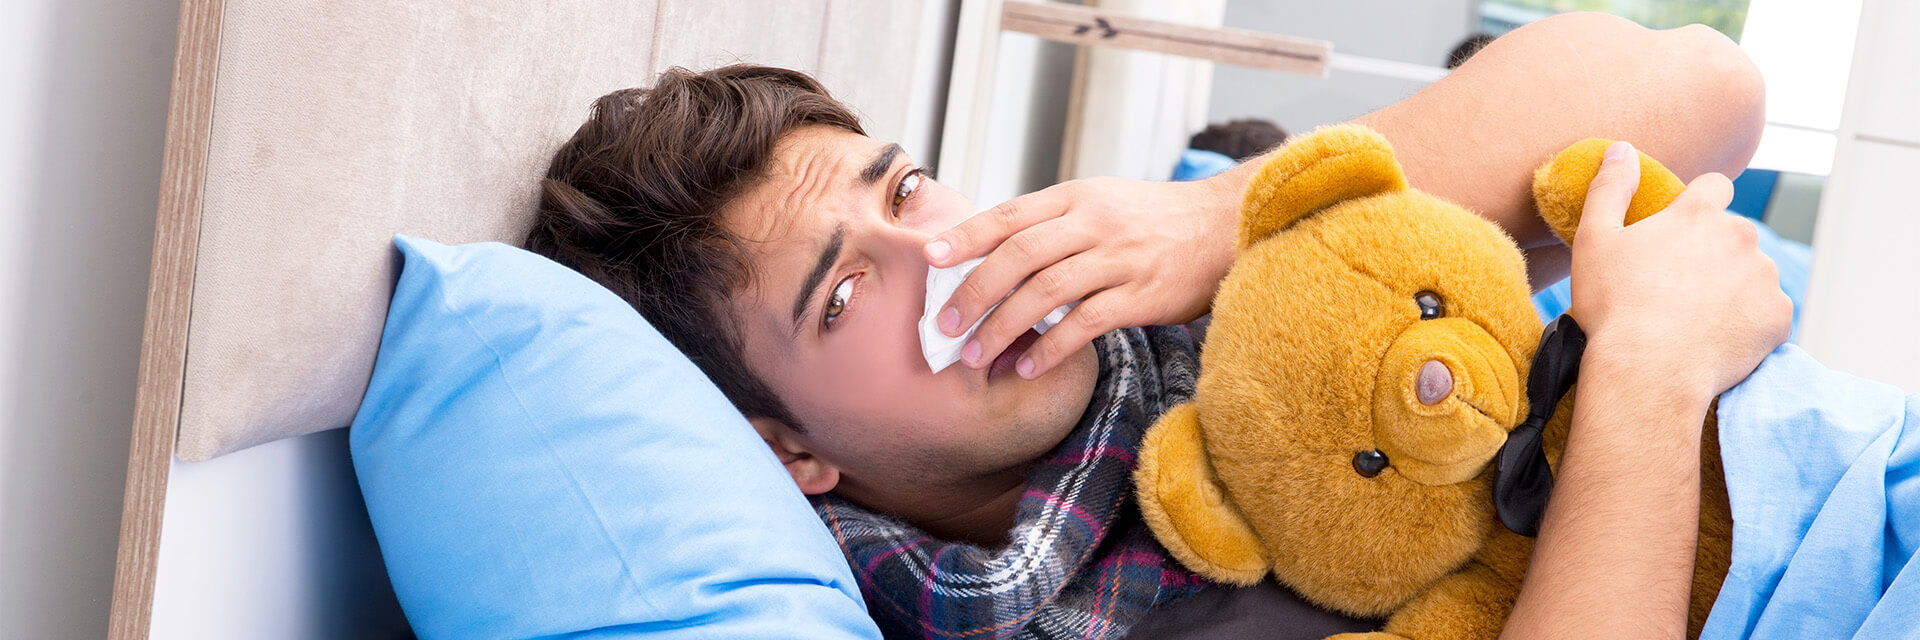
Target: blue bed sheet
<point>1824,482</point>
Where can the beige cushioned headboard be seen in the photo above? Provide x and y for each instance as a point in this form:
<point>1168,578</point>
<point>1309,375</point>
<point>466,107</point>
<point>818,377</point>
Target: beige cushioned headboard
<point>337,124</point>
<point>303,134</point>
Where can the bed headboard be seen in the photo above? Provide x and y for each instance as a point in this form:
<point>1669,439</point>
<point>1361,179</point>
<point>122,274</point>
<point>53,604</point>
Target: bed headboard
<point>302,135</point>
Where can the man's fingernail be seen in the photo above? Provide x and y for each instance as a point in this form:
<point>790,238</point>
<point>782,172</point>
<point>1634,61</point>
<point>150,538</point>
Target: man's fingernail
<point>949,320</point>
<point>1619,150</point>
<point>938,249</point>
<point>1024,367</point>
<point>971,353</point>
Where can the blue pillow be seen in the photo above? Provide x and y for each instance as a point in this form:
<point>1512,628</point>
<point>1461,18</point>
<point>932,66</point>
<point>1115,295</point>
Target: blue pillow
<point>1200,164</point>
<point>538,461</point>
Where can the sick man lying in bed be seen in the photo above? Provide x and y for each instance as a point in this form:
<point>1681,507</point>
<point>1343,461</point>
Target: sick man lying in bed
<point>746,215</point>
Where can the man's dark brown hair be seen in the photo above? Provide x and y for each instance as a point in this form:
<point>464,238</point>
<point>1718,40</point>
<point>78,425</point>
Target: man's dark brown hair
<point>634,199</point>
<point>1471,45</point>
<point>1239,139</point>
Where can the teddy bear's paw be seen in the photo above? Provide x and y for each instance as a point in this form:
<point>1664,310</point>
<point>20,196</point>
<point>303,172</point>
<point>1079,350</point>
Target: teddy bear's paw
<point>1376,635</point>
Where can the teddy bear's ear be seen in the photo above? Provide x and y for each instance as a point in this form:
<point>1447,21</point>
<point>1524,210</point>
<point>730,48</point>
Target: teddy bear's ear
<point>1323,168</point>
<point>1560,186</point>
<point>1189,511</point>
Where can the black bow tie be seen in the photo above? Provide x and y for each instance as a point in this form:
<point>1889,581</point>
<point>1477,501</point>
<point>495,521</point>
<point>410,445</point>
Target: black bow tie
<point>1522,481</point>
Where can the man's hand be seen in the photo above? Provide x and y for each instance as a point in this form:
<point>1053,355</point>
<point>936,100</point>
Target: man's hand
<point>1685,295</point>
<point>1135,253</point>
<point>1677,307</point>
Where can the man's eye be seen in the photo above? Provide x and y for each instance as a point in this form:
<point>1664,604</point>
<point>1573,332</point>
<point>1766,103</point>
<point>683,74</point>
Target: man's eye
<point>908,184</point>
<point>837,303</point>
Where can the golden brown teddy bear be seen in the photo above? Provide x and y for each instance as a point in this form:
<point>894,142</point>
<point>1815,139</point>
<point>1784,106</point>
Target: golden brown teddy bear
<point>1365,364</point>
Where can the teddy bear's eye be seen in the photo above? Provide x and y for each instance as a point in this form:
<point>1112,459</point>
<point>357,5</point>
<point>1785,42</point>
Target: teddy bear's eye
<point>1430,305</point>
<point>1369,463</point>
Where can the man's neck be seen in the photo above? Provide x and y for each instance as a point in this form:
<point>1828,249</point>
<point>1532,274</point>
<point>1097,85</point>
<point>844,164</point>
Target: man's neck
<point>986,522</point>
<point>981,513</point>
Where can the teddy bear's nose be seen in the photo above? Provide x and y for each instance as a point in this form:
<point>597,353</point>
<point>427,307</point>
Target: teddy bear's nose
<point>1434,384</point>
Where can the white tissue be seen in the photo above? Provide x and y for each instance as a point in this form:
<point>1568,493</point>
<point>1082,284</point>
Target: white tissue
<point>942,351</point>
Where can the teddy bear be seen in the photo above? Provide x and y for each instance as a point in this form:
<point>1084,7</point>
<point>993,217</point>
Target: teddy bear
<point>1369,357</point>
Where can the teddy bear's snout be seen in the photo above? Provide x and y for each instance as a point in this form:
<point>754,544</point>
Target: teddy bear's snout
<point>1434,384</point>
<point>1446,395</point>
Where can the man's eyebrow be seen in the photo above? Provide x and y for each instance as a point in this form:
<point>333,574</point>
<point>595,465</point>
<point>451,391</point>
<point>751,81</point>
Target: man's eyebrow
<point>829,255</point>
<point>878,166</point>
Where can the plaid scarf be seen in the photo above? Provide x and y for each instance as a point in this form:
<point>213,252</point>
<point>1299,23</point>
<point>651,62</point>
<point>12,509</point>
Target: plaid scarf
<point>1080,563</point>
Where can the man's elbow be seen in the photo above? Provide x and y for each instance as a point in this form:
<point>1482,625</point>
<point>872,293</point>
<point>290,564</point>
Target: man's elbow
<point>1729,95</point>
<point>1694,85</point>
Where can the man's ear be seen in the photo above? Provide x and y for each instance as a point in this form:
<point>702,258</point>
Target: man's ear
<point>813,475</point>
<point>1330,165</point>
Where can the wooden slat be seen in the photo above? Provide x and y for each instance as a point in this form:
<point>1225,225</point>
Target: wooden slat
<point>163,350</point>
<point>1081,25</point>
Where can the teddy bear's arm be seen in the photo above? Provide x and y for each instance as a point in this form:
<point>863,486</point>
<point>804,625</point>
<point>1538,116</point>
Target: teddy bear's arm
<point>1472,603</point>
<point>1189,512</point>
<point>1560,186</point>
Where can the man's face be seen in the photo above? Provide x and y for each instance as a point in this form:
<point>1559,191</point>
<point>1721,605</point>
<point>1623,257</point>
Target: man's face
<point>835,232</point>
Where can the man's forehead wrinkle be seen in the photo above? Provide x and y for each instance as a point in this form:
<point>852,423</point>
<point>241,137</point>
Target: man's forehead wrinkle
<point>812,173</point>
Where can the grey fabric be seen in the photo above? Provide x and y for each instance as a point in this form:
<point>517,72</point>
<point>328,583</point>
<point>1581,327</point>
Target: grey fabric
<point>1265,611</point>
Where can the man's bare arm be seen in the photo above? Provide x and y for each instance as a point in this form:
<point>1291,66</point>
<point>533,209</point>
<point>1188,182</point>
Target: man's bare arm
<point>1677,307</point>
<point>1688,97</point>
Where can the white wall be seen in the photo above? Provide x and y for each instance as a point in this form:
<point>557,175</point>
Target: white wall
<point>82,117</point>
<point>272,542</point>
<point>1860,302</point>
<point>1413,32</point>
<point>1032,82</point>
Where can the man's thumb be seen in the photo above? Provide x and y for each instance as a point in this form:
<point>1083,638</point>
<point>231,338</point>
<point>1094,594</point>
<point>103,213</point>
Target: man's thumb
<point>1612,188</point>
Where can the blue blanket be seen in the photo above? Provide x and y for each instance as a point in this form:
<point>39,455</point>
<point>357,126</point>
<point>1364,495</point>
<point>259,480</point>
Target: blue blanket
<point>1824,481</point>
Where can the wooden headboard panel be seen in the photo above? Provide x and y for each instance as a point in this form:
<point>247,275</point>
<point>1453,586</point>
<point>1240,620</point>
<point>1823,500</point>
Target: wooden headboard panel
<point>302,134</point>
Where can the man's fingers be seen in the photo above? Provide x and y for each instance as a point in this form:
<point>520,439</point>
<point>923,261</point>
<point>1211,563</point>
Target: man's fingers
<point>1709,192</point>
<point>1095,315</point>
<point>1612,189</point>
<point>1066,281</point>
<point>979,234</point>
<point>1026,253</point>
